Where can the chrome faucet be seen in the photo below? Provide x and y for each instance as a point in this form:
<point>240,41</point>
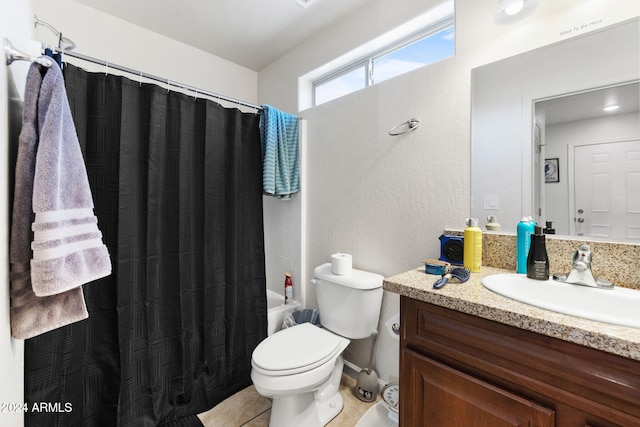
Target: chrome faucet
<point>581,270</point>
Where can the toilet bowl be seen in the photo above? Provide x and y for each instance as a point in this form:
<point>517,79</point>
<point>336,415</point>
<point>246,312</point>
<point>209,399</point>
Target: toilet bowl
<point>300,367</point>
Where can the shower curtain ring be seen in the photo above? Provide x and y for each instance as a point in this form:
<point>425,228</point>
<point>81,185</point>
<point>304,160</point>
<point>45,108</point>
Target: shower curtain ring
<point>140,81</point>
<point>106,68</point>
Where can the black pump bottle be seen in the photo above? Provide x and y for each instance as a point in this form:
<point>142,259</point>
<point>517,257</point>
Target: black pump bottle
<point>538,261</point>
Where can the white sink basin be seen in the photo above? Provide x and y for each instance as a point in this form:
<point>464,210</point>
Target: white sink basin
<point>620,306</point>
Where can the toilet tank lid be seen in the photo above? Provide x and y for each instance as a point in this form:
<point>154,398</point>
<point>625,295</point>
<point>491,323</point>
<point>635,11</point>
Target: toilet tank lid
<point>356,279</point>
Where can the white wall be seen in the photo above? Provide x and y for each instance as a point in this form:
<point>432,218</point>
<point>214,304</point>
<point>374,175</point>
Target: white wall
<point>386,200</point>
<point>102,36</point>
<point>15,18</point>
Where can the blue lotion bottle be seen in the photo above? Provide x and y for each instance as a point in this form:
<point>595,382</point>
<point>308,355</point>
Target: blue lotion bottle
<point>523,243</point>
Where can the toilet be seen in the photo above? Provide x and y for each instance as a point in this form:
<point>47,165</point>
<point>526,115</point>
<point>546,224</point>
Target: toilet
<point>300,367</point>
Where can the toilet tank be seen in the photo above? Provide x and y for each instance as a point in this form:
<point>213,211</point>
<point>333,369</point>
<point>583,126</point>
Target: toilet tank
<point>349,304</point>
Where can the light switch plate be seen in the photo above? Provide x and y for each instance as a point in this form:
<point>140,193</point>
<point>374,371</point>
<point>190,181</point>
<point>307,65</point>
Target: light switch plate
<point>491,203</point>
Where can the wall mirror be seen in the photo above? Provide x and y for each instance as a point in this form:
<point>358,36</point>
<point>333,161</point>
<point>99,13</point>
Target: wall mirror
<point>541,144</point>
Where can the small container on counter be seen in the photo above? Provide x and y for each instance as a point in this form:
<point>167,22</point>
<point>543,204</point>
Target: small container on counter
<point>538,261</point>
<point>435,266</point>
<point>472,246</point>
<point>523,242</point>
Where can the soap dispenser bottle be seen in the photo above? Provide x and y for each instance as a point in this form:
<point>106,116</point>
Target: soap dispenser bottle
<point>472,249</point>
<point>538,261</point>
<point>523,242</point>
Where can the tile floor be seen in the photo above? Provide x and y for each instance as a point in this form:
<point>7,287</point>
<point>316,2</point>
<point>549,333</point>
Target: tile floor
<point>248,409</point>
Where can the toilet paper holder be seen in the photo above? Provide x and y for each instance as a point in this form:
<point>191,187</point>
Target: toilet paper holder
<point>392,325</point>
<point>395,327</point>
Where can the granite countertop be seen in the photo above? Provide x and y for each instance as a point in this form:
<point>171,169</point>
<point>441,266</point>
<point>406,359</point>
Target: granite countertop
<point>473,298</point>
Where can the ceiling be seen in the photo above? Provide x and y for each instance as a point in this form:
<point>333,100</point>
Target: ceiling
<point>251,33</point>
<point>589,105</point>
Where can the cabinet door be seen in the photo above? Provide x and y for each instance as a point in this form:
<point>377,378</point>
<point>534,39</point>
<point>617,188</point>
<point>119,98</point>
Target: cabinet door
<point>434,395</point>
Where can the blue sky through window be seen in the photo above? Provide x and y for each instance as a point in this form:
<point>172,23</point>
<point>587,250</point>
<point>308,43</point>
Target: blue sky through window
<point>422,52</point>
<point>341,85</point>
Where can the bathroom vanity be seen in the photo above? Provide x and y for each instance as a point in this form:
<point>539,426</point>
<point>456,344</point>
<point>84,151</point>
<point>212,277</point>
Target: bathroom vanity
<point>470,357</point>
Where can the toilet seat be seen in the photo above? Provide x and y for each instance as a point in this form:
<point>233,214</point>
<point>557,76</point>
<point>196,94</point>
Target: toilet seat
<point>295,350</point>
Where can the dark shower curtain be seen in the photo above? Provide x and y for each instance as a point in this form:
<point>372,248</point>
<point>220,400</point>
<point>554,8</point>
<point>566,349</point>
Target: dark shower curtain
<point>177,188</point>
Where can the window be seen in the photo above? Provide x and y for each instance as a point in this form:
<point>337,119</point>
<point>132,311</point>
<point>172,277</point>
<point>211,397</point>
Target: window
<point>346,82</point>
<point>426,47</point>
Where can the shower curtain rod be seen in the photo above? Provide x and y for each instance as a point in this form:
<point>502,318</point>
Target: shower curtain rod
<point>152,77</point>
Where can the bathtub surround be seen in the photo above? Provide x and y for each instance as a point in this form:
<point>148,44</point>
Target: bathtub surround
<point>177,187</point>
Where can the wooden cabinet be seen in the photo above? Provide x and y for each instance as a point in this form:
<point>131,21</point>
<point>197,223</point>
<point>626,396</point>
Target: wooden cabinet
<point>461,370</point>
<point>443,396</point>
